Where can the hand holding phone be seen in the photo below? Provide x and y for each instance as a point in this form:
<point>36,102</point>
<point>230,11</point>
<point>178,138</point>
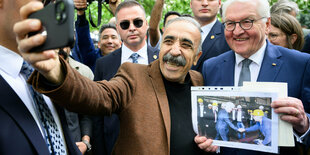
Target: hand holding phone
<point>57,23</point>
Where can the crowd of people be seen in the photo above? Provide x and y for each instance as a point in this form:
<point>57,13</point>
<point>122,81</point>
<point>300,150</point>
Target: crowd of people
<point>132,93</point>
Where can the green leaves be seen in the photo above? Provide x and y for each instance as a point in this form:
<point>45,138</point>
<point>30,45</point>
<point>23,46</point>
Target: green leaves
<point>183,7</point>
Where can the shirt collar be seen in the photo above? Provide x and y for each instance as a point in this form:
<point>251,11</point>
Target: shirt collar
<point>126,52</point>
<point>207,28</point>
<point>11,62</point>
<point>257,57</point>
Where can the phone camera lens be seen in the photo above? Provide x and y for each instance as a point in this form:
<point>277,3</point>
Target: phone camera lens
<point>60,12</point>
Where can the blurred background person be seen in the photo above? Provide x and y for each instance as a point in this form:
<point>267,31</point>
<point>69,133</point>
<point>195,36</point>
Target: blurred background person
<point>286,31</point>
<point>214,42</point>
<point>109,39</point>
<point>289,7</point>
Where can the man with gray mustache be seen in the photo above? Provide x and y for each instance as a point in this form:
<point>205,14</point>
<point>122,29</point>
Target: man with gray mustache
<point>153,101</point>
<point>177,60</point>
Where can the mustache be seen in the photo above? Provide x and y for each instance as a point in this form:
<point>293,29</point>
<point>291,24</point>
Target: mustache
<point>178,60</point>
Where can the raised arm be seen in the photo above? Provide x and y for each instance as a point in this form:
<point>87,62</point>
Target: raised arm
<point>154,32</point>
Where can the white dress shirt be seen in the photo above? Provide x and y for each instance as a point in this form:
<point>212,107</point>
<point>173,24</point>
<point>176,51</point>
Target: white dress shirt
<point>257,60</point>
<point>126,53</point>
<point>10,66</point>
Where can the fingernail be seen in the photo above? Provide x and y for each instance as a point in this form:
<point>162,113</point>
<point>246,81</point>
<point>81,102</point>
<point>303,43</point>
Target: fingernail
<point>37,39</point>
<point>34,24</point>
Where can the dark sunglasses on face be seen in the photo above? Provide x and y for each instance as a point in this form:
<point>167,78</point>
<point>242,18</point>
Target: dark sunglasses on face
<point>126,23</point>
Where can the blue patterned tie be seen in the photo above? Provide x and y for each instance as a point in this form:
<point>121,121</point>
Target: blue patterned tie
<point>52,135</point>
<point>134,57</point>
<point>245,74</point>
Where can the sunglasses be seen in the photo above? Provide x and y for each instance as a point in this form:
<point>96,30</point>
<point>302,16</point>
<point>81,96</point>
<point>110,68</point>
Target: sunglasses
<point>126,23</point>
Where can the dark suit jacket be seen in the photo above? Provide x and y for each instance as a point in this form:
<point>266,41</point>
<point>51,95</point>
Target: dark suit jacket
<point>306,47</point>
<point>107,66</point>
<point>136,93</point>
<point>106,129</point>
<point>214,45</point>
<point>19,133</point>
<point>279,65</point>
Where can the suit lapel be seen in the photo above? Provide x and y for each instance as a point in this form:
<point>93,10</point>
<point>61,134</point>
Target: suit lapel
<point>19,112</point>
<point>72,148</point>
<point>159,87</point>
<point>152,54</point>
<point>117,58</point>
<point>228,70</point>
<point>271,64</point>
<point>210,40</point>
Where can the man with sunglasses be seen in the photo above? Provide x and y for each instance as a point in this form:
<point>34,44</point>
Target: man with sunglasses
<point>254,58</point>
<point>132,26</point>
<point>30,123</point>
<point>214,43</point>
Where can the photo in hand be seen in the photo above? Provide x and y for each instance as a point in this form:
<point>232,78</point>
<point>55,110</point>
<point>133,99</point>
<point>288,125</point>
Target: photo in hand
<point>236,119</point>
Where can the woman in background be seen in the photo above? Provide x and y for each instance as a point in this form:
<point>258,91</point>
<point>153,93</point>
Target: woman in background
<point>286,31</point>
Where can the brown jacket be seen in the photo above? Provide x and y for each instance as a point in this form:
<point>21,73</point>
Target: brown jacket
<point>136,93</point>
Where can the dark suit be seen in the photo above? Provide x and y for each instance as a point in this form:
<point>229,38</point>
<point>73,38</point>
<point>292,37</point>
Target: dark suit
<point>213,45</point>
<point>279,65</point>
<point>107,130</point>
<point>306,47</point>
<point>19,133</point>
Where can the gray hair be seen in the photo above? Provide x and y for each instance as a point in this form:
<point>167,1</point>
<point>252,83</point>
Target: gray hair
<point>284,6</point>
<point>262,8</point>
<point>107,26</point>
<point>189,20</point>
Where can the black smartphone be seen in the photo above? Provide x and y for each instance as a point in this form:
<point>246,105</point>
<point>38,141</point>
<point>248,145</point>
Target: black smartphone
<point>57,20</point>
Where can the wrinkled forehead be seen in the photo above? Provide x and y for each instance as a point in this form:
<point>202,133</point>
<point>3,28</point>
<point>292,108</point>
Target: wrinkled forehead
<point>182,29</point>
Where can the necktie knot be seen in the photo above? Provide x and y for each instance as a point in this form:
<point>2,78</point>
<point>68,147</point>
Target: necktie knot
<point>246,62</point>
<point>134,57</point>
<point>26,69</point>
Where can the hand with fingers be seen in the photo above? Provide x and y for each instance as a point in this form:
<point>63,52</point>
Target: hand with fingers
<point>46,62</point>
<point>80,5</point>
<point>205,144</point>
<point>293,112</point>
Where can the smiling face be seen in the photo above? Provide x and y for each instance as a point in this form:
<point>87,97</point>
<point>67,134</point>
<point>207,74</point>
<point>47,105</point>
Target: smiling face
<point>205,11</point>
<point>133,37</point>
<point>245,42</point>
<point>178,51</point>
<point>109,41</point>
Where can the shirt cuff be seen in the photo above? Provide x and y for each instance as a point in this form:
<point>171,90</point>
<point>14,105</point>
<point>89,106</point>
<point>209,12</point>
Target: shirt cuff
<point>302,138</point>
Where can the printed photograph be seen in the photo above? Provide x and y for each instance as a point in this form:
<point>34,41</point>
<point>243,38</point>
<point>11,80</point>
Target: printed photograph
<point>237,118</point>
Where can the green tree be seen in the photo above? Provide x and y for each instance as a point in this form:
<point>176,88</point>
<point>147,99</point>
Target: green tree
<point>183,7</point>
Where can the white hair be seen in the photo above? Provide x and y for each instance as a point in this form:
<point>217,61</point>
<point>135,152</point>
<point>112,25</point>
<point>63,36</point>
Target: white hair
<point>229,106</point>
<point>263,8</point>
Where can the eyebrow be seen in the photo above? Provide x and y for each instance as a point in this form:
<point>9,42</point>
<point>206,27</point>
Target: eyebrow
<point>187,40</point>
<point>169,37</point>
